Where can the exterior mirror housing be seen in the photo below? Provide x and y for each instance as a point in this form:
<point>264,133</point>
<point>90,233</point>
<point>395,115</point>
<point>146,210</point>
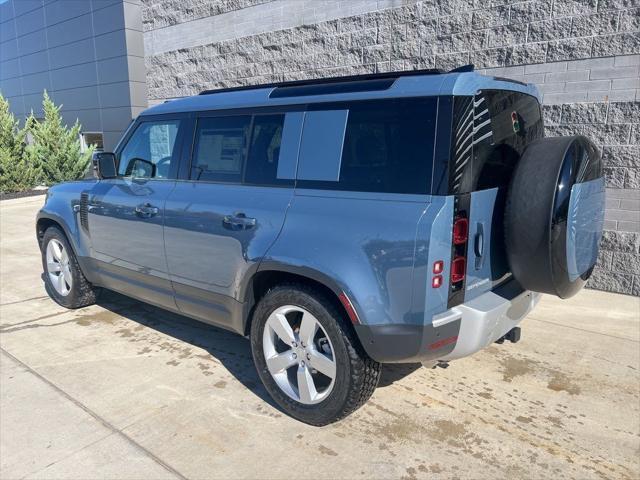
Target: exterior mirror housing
<point>104,164</point>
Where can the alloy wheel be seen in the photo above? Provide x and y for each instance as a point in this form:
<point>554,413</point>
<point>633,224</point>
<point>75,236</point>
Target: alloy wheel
<point>299,354</point>
<point>58,267</point>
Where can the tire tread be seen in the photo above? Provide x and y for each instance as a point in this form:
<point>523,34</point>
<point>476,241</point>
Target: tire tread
<point>365,372</point>
<point>84,293</point>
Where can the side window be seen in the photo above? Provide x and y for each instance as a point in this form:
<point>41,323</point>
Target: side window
<point>251,149</point>
<point>387,147</point>
<point>264,150</point>
<point>149,151</point>
<point>220,148</point>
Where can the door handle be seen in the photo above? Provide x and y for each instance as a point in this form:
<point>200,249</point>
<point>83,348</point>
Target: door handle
<point>238,221</point>
<point>478,245</point>
<point>146,210</point>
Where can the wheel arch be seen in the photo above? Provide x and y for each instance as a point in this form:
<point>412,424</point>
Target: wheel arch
<point>44,221</point>
<point>270,275</point>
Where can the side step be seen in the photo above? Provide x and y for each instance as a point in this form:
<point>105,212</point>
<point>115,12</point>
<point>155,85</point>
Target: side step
<point>512,335</point>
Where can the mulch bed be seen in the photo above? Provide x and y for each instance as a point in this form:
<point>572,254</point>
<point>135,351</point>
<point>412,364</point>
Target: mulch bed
<point>26,193</point>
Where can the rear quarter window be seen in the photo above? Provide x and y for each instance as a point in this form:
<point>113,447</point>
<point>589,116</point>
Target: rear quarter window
<point>387,146</point>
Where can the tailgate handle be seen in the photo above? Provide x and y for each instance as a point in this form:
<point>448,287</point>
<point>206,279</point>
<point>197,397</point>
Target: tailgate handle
<point>478,245</point>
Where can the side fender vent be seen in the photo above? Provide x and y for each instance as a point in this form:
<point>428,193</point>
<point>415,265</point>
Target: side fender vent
<point>84,210</point>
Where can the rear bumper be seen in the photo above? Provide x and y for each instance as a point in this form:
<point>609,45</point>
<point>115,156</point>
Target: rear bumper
<point>486,318</point>
<point>456,333</point>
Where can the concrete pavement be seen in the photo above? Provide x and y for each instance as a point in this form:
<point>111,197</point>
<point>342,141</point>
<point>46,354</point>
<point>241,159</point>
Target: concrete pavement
<point>125,390</point>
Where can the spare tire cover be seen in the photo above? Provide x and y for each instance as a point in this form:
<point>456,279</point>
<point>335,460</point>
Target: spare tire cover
<point>554,215</point>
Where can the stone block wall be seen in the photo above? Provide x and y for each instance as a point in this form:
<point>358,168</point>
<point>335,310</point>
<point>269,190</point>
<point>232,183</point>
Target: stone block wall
<point>163,13</point>
<point>583,54</point>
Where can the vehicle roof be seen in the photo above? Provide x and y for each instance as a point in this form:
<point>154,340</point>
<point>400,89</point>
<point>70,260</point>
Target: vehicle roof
<point>414,85</point>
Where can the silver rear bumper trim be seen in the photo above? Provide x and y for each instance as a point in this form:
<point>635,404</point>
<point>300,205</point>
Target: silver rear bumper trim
<point>485,319</point>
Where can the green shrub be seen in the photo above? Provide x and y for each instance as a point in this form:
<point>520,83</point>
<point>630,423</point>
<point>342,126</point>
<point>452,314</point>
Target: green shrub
<point>17,171</point>
<point>55,148</point>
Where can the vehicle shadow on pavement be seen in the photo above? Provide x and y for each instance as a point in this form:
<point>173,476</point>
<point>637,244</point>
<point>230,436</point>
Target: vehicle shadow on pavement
<point>394,372</point>
<point>231,350</point>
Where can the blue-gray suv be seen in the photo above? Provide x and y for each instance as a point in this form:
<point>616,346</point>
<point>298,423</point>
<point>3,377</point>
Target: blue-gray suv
<point>338,223</point>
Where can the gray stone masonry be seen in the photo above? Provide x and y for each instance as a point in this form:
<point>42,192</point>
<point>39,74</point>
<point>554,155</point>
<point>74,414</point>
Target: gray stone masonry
<point>164,13</point>
<point>444,34</point>
<point>584,55</point>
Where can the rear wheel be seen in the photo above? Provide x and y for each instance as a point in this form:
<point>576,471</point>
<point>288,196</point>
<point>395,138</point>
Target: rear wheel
<point>64,281</point>
<point>307,357</point>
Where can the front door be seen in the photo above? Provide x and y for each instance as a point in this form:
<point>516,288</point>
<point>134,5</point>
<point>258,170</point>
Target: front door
<point>126,214</point>
<point>222,219</point>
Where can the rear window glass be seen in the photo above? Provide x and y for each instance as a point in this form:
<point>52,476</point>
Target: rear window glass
<point>387,146</point>
<point>493,129</point>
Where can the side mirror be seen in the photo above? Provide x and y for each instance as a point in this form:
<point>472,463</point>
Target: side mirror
<point>104,165</point>
<point>140,168</point>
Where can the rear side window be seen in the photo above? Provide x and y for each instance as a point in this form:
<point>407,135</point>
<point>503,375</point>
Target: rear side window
<point>264,150</point>
<point>387,146</point>
<point>252,149</point>
<point>220,149</point>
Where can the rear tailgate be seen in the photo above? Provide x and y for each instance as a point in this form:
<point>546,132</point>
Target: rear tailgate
<point>491,130</point>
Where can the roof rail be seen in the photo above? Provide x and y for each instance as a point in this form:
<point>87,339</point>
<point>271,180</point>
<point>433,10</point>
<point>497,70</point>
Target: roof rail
<point>463,68</point>
<point>333,80</point>
<point>327,80</point>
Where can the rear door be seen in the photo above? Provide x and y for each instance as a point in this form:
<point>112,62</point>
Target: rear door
<point>126,214</point>
<point>223,216</point>
<point>493,129</point>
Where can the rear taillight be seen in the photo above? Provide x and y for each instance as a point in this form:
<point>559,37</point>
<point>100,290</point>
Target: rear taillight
<point>460,231</point>
<point>438,267</point>
<point>459,240</point>
<point>458,269</point>
<point>460,227</point>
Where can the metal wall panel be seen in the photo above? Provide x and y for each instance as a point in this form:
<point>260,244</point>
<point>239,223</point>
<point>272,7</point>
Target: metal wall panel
<point>81,53</point>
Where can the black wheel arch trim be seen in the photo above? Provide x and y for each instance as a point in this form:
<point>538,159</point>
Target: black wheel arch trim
<point>42,215</point>
<point>245,291</point>
<point>72,239</point>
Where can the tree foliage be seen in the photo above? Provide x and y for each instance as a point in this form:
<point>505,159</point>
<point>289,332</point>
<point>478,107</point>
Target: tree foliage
<point>55,148</point>
<point>43,152</point>
<point>17,171</point>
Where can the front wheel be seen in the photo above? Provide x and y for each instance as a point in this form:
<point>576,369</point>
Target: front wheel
<point>64,281</point>
<point>307,358</point>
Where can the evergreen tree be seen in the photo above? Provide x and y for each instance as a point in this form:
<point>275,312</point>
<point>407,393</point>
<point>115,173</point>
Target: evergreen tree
<point>17,172</point>
<point>55,148</point>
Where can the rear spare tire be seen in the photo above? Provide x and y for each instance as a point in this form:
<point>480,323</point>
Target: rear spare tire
<point>555,214</point>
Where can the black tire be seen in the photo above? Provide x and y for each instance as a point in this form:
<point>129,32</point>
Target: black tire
<point>554,215</point>
<point>82,293</point>
<point>357,375</point>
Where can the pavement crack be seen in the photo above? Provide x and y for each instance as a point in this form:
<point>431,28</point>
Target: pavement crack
<point>6,328</point>
<point>583,330</point>
<point>97,417</point>
<point>23,301</point>
<point>90,444</point>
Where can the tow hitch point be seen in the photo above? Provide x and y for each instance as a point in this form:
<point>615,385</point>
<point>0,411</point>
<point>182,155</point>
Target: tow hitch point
<point>512,335</point>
